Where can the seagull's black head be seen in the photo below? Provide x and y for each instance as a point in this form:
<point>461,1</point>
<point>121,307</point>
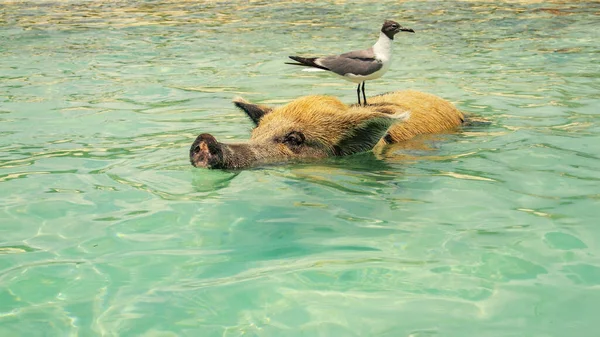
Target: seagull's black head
<point>391,28</point>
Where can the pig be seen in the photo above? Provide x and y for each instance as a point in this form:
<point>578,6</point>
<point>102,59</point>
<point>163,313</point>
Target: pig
<point>315,127</point>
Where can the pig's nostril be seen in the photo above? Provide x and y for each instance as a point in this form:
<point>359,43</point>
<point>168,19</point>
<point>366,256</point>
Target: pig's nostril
<point>205,143</point>
<point>206,152</point>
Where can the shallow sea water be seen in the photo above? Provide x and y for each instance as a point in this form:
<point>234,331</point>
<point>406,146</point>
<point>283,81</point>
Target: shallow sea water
<point>106,230</point>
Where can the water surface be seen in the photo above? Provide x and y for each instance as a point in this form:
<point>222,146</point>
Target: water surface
<point>106,230</point>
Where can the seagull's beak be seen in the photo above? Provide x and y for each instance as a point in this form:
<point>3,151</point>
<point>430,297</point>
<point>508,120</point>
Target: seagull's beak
<point>405,29</point>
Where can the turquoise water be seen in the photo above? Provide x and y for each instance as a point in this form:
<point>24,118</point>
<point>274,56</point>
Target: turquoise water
<point>107,230</point>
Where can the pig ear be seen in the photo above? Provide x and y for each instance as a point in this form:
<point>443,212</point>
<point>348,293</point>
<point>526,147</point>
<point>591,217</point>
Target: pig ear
<point>254,111</point>
<point>364,136</point>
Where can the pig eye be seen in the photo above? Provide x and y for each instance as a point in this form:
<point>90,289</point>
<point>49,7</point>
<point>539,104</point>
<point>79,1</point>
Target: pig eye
<point>294,138</point>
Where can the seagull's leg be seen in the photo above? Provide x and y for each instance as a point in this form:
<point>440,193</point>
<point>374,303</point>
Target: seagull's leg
<point>364,96</point>
<point>358,93</point>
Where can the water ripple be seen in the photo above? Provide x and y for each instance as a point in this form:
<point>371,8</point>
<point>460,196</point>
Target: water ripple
<point>107,230</point>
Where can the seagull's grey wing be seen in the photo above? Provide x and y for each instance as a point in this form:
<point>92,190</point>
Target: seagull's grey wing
<point>343,65</point>
<point>358,62</point>
<point>360,54</point>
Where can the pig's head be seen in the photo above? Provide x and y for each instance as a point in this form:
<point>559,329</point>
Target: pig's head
<point>310,127</point>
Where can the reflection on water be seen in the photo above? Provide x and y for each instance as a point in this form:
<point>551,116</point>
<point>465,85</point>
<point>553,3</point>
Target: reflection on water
<point>106,229</point>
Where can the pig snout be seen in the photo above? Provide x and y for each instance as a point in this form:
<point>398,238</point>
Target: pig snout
<point>206,152</point>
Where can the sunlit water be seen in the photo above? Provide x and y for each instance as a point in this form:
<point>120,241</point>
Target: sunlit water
<point>106,229</point>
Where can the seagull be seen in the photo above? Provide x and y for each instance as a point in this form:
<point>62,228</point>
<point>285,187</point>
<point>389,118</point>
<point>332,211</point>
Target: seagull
<point>360,65</point>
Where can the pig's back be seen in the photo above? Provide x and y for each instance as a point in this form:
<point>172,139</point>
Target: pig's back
<point>429,114</point>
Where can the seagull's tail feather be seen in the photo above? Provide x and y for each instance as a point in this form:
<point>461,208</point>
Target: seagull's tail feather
<point>306,62</point>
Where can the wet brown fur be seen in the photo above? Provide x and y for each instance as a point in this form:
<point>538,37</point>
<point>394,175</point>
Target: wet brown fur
<point>428,114</point>
<point>325,117</point>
